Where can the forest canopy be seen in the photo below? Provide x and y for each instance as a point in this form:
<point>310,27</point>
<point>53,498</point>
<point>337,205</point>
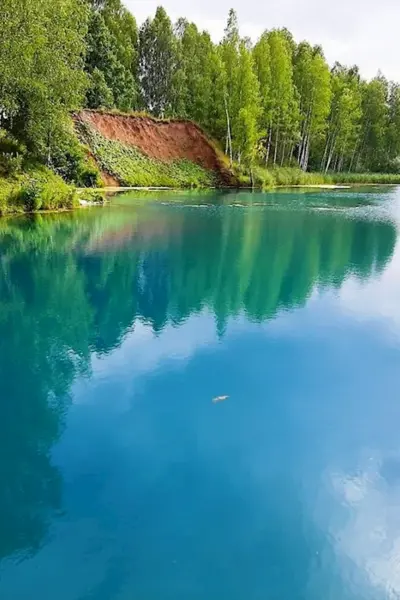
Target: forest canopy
<point>271,101</point>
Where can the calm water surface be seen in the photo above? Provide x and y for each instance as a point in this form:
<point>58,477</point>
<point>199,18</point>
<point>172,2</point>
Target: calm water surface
<point>120,479</point>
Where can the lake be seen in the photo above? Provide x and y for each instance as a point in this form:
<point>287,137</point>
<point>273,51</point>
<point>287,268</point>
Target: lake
<point>200,398</point>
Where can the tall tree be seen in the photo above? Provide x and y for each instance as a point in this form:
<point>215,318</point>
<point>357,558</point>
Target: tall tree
<point>375,119</point>
<point>262,65</point>
<point>344,121</point>
<point>246,132</point>
<point>393,130</point>
<point>312,78</point>
<point>230,58</point>
<point>284,101</point>
<point>158,64</point>
<point>111,59</point>
<point>41,74</point>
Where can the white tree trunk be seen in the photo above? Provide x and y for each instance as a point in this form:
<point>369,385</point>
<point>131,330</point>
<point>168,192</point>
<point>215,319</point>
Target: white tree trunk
<point>330,156</point>
<point>228,133</point>
<point>276,146</point>
<point>268,147</point>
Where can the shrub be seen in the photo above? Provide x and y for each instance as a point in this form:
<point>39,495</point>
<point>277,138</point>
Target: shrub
<point>29,196</point>
<point>38,189</point>
<point>71,161</point>
<point>93,196</point>
<point>12,154</point>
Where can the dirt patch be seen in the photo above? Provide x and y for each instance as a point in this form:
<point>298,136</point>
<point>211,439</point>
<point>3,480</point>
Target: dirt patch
<point>109,180</point>
<point>163,140</point>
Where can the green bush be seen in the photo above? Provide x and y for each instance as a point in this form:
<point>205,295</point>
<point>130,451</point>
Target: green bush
<point>12,154</point>
<point>70,160</point>
<point>8,195</point>
<point>93,196</point>
<point>10,165</point>
<point>29,196</point>
<point>38,189</point>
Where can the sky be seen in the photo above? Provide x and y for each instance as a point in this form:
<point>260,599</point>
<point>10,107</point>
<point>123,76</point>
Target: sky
<point>362,32</point>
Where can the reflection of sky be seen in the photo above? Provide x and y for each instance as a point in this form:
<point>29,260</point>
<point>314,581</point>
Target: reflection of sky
<point>378,298</point>
<point>292,485</point>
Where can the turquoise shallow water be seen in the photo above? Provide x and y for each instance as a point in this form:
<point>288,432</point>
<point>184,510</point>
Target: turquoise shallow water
<point>120,478</point>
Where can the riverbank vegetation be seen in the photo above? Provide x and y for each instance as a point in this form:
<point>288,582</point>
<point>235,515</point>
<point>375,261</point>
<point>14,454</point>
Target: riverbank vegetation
<point>262,178</point>
<point>271,102</point>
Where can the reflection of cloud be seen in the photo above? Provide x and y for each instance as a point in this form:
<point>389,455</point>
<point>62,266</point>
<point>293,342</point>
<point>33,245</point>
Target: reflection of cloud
<point>370,536</point>
<point>377,298</point>
<point>144,351</point>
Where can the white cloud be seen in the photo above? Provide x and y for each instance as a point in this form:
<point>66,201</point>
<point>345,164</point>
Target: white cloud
<point>362,32</point>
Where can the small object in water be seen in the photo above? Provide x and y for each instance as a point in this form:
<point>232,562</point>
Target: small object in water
<point>220,399</point>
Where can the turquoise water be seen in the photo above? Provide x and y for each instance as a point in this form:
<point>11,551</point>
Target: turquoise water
<point>121,479</point>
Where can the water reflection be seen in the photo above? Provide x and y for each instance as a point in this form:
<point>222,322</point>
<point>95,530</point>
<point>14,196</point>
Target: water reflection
<point>80,294</point>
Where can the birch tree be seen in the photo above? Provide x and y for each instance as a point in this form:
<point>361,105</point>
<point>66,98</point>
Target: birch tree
<point>344,124</point>
<point>262,66</point>
<point>230,59</point>
<point>246,131</point>
<point>375,120</point>
<point>312,78</point>
<point>283,99</point>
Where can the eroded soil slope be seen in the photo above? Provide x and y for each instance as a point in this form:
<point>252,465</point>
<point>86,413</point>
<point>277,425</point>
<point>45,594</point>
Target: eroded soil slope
<point>163,140</point>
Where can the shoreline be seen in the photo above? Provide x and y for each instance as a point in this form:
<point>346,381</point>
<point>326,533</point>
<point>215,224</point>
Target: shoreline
<point>113,190</point>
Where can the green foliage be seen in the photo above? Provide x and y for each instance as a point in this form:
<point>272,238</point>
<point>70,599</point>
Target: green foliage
<point>313,83</point>
<point>344,120</point>
<point>111,56</point>
<point>133,168</point>
<point>294,176</point>
<point>366,178</point>
<point>158,64</point>
<point>37,189</point>
<point>246,132</point>
<point>12,153</point>
<point>72,162</point>
<point>98,95</point>
<point>41,74</point>
<point>284,118</point>
<point>92,197</point>
<point>201,77</point>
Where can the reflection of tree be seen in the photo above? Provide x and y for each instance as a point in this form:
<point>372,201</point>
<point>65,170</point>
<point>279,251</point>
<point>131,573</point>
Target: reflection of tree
<point>263,262</point>
<point>44,324</point>
<point>71,285</point>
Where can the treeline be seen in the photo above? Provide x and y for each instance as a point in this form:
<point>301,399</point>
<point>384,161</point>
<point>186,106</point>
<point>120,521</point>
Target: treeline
<point>273,102</point>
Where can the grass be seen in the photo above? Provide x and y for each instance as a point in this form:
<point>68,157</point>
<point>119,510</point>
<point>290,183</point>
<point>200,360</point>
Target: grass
<point>134,169</point>
<point>279,177</point>
<point>38,188</point>
<point>291,176</point>
<point>365,178</point>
